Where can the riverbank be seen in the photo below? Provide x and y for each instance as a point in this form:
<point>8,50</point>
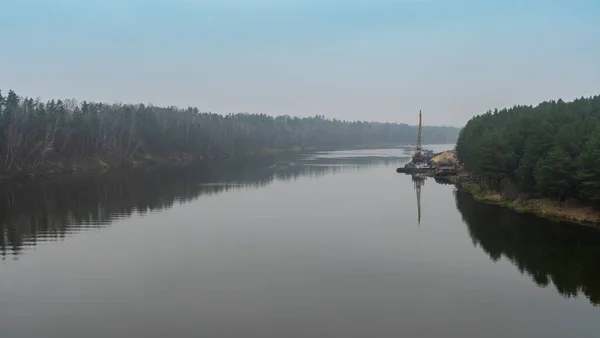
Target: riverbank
<point>570,211</point>
<point>53,166</point>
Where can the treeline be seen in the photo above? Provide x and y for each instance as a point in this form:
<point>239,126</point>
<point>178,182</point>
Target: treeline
<point>552,149</point>
<point>33,132</point>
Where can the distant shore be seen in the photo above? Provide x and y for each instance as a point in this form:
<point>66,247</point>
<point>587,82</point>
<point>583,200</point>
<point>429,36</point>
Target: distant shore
<point>99,163</point>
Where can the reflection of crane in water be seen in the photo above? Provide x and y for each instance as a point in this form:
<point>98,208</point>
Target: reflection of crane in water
<point>418,182</point>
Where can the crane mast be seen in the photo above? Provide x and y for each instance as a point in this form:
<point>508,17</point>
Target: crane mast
<point>417,157</point>
<point>419,135</point>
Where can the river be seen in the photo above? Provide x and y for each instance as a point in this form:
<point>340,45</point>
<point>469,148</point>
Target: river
<point>329,244</point>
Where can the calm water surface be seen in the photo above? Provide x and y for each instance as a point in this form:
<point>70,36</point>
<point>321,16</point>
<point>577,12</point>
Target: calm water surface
<point>326,245</point>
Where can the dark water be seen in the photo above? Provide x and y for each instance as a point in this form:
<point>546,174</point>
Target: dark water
<point>323,246</point>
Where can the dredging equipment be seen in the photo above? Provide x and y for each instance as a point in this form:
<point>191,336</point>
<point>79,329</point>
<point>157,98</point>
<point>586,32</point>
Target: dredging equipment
<point>421,159</point>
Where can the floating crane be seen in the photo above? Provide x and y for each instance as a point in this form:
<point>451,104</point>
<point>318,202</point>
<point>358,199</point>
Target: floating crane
<point>421,159</point>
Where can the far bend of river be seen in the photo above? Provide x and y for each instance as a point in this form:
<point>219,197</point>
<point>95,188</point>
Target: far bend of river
<point>326,245</point>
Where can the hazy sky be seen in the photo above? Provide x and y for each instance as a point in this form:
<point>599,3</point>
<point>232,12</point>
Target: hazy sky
<point>355,59</point>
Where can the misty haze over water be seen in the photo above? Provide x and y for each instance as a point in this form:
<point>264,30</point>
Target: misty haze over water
<point>323,244</point>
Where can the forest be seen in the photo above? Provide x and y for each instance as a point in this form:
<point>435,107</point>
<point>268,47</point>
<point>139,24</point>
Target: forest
<point>35,133</point>
<point>550,150</point>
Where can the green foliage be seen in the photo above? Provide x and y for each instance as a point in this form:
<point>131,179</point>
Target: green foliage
<point>551,148</point>
<point>555,173</point>
<point>539,141</point>
<point>33,133</point>
<point>494,153</point>
<point>589,168</point>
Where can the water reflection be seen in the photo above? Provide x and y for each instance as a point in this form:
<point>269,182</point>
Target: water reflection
<point>565,255</point>
<point>418,182</point>
<point>34,211</point>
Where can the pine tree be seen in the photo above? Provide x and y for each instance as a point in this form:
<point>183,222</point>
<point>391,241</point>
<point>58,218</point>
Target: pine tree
<point>554,174</point>
<point>589,172</point>
<point>547,149</point>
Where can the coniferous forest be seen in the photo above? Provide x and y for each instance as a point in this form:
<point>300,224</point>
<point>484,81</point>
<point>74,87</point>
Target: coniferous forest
<point>552,149</point>
<point>35,133</point>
